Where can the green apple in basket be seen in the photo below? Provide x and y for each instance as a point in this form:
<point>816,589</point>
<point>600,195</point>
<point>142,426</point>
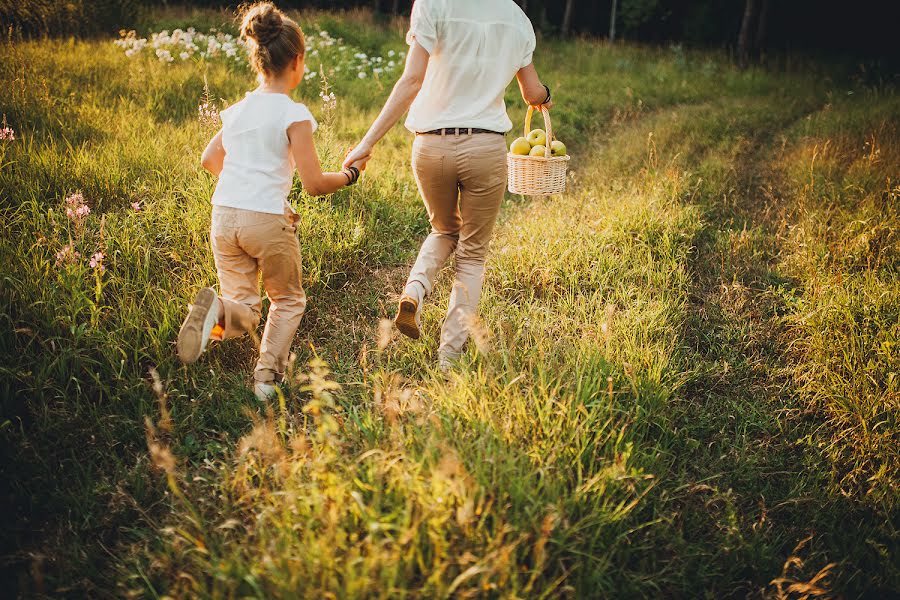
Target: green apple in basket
<point>520,147</point>
<point>557,148</point>
<point>537,137</point>
<point>538,151</point>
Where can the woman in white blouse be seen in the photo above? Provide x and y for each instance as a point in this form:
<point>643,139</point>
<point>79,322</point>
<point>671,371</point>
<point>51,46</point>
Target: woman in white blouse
<point>463,54</point>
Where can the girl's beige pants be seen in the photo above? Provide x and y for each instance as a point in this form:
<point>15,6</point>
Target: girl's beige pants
<point>246,243</point>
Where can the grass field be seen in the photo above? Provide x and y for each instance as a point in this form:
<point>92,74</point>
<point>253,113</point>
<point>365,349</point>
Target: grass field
<point>685,384</point>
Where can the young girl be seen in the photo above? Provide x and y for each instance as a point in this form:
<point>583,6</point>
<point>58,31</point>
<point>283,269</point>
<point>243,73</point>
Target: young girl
<point>263,138</point>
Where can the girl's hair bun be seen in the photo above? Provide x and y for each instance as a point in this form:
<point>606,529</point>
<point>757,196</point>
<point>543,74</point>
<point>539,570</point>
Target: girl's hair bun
<point>273,38</point>
<point>262,23</point>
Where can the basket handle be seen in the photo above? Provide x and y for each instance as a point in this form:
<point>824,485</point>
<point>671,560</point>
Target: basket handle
<point>547,127</point>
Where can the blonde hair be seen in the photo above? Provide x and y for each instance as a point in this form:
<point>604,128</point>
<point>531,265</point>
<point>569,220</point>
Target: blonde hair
<point>273,38</point>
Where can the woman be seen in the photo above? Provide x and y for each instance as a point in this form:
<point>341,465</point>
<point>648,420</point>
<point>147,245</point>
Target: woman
<point>463,54</point>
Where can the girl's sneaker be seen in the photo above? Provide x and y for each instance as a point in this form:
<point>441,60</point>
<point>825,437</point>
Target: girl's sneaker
<point>264,391</point>
<point>407,319</point>
<point>195,332</point>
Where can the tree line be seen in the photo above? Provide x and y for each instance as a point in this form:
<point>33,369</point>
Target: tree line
<point>749,28</point>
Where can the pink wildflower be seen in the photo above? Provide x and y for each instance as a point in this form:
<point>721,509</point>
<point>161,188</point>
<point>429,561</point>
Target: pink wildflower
<point>136,206</point>
<point>208,113</point>
<point>67,255</point>
<point>76,207</point>
<point>7,133</point>
<point>97,261</point>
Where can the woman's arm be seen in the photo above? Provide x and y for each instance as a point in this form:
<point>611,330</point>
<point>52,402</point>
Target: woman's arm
<point>533,91</point>
<point>405,91</point>
<point>213,156</point>
<point>315,182</point>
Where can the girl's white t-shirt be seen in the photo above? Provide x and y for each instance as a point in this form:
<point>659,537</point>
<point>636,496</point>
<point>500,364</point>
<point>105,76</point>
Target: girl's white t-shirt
<point>475,48</point>
<point>259,169</point>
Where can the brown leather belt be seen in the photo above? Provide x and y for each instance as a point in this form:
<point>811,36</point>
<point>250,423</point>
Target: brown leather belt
<point>458,131</point>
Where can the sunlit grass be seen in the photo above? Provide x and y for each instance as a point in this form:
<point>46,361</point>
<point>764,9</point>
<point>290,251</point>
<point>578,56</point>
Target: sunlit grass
<point>685,367</point>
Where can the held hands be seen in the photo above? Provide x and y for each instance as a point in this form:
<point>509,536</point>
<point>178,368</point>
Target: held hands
<point>358,157</point>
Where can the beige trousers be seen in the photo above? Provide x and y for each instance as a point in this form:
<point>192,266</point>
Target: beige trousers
<point>462,179</point>
<point>245,243</point>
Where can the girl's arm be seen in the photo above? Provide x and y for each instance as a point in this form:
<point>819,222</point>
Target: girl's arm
<point>213,156</point>
<point>533,91</point>
<point>405,91</point>
<point>315,182</point>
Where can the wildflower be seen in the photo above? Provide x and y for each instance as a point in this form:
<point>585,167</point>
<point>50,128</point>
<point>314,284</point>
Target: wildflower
<point>136,206</point>
<point>97,261</point>
<point>208,113</point>
<point>76,207</point>
<point>329,100</point>
<point>184,56</point>
<point>7,134</point>
<point>67,255</point>
<point>362,75</point>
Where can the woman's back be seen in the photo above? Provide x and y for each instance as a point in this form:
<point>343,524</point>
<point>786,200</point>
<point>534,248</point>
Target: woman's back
<point>475,47</point>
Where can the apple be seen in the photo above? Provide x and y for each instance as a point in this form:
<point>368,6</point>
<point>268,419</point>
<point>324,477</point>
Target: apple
<point>557,148</point>
<point>537,137</point>
<point>520,147</point>
<point>538,151</point>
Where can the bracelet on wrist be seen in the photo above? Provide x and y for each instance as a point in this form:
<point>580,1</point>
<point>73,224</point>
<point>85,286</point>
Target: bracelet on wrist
<point>352,176</point>
<point>549,95</point>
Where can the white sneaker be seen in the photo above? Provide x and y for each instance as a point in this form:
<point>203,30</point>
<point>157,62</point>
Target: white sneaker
<point>194,334</point>
<point>264,391</point>
<point>446,362</point>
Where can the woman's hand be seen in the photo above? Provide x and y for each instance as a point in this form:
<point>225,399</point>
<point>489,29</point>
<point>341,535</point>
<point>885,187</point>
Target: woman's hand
<point>533,91</point>
<point>359,154</point>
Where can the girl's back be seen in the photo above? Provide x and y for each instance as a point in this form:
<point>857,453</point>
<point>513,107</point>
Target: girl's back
<point>258,168</point>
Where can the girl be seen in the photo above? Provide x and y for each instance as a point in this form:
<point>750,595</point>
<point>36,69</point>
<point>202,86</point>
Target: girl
<point>263,138</point>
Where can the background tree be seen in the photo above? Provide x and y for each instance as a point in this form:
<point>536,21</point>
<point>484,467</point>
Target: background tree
<point>567,18</point>
<point>746,34</point>
<point>612,21</point>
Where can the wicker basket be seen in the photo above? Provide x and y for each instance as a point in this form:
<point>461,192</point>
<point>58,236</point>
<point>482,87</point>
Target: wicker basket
<point>537,175</point>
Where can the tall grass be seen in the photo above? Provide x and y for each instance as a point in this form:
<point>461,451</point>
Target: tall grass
<point>683,384</point>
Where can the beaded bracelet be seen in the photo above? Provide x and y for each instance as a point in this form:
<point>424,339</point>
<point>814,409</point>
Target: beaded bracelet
<point>352,176</point>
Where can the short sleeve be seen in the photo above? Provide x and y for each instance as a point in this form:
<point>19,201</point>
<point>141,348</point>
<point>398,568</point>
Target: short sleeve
<point>297,113</point>
<point>226,114</point>
<point>528,44</point>
<point>421,26</point>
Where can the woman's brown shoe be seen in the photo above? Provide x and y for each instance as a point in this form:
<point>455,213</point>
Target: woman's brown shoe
<point>407,319</point>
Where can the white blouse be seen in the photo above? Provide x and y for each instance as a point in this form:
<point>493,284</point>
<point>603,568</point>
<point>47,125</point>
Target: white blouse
<point>259,169</point>
<point>475,48</point>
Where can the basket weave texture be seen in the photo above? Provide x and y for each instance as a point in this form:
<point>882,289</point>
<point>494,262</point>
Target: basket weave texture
<point>537,175</point>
